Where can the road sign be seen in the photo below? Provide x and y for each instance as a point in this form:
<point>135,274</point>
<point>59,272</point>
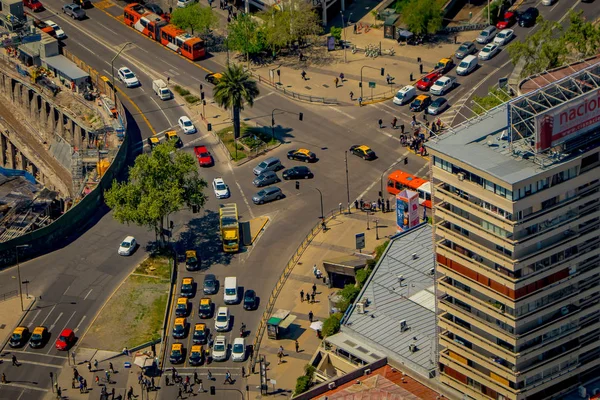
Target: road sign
<point>372,85</point>
<point>360,241</point>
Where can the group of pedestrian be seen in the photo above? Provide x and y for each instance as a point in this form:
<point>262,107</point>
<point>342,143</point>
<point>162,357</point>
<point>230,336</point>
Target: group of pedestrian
<point>380,204</point>
<point>79,382</point>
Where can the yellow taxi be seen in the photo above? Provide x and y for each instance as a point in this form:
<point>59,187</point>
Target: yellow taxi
<point>182,308</point>
<point>153,141</point>
<point>192,263</point>
<point>177,353</point>
<point>302,155</point>
<point>213,78</point>
<point>444,65</point>
<point>200,335</point>
<point>172,135</point>
<point>363,152</point>
<point>180,328</point>
<point>196,355</point>
<point>19,336</point>
<point>38,337</point>
<point>205,310</point>
<point>187,287</point>
<point>420,103</point>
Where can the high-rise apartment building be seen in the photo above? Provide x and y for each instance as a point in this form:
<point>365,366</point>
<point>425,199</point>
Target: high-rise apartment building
<point>517,242</point>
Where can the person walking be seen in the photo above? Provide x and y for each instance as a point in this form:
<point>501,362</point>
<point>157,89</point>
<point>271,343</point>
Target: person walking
<point>378,203</point>
<point>112,393</point>
<point>130,393</point>
<point>179,393</point>
<point>307,297</point>
<point>360,101</point>
<point>200,386</point>
<point>166,380</point>
<point>394,122</point>
<point>380,123</point>
<point>297,346</point>
<point>3,377</point>
<point>111,368</point>
<point>14,361</point>
<point>243,372</point>
<point>342,77</point>
<point>303,74</point>
<point>58,393</point>
<point>301,296</point>
<point>336,80</point>
<point>228,377</point>
<point>402,129</point>
<point>420,68</point>
<point>362,204</point>
<point>75,374</point>
<point>312,298</point>
<point>95,365</point>
<point>97,380</point>
<point>209,375</point>
<point>279,358</point>
<point>356,204</point>
<point>195,377</point>
<point>351,96</point>
<point>310,316</point>
<point>89,365</point>
<point>314,288</point>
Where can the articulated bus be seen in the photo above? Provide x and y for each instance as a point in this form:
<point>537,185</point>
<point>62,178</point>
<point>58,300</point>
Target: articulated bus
<point>157,28</point>
<point>400,180</point>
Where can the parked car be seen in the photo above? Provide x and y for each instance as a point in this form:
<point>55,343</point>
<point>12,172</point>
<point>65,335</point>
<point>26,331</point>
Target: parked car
<point>210,285</point>
<point>467,65</point>
<point>528,17</point>
<point>203,155</point>
<point>504,36</point>
<point>299,172</point>
<point>508,20</point>
<point>548,2</point>
<point>428,80</point>
<point>489,51</point>
<point>437,106</point>
<point>421,103</point>
<point>265,179</point>
<point>219,350</point>
<point>184,3</point>
<point>443,85</point>
<point>238,350</point>
<point>486,35</point>
<point>128,77</point>
<point>58,32</point>
<point>186,125</point>
<point>266,195</point>
<point>250,300</point>
<point>220,188</point>
<point>465,49</point>
<point>127,246</point>
<point>269,164</point>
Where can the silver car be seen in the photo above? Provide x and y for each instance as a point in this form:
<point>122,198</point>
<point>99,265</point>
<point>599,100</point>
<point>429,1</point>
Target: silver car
<point>486,35</point>
<point>268,194</point>
<point>265,179</point>
<point>270,164</point>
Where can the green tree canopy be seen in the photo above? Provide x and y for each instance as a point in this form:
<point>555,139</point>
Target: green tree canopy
<point>195,18</point>
<point>422,16</point>
<point>245,35</point>
<point>235,89</point>
<point>160,183</point>
<point>331,325</point>
<point>494,98</point>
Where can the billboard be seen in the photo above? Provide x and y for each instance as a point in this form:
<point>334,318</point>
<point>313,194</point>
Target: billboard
<point>563,122</point>
<point>407,210</point>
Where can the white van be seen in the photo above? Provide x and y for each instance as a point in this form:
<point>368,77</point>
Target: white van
<point>405,95</point>
<point>467,65</point>
<point>230,294</point>
<point>160,88</point>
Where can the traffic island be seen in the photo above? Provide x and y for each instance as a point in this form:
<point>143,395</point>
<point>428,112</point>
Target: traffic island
<point>253,141</point>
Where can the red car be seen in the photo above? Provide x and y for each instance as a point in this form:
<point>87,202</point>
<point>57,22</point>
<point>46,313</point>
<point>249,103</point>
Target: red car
<point>203,155</point>
<point>33,5</point>
<point>65,340</point>
<point>507,21</point>
<point>426,82</point>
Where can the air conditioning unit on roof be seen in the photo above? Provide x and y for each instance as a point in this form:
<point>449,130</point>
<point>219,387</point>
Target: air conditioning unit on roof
<point>461,176</point>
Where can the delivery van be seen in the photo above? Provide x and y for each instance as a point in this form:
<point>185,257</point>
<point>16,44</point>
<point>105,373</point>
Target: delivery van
<point>467,65</point>
<point>230,294</point>
<point>405,95</point>
<point>160,88</point>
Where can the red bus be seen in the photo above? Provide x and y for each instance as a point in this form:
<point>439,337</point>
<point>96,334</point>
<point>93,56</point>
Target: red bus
<point>400,180</point>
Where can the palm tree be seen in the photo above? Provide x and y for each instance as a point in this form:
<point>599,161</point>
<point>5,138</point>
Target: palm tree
<point>234,89</point>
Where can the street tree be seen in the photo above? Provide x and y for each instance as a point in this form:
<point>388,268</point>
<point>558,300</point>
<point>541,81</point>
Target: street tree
<point>235,89</point>
<point>422,16</point>
<point>195,18</point>
<point>160,184</point>
<point>582,37</point>
<point>246,36</point>
<point>494,98</point>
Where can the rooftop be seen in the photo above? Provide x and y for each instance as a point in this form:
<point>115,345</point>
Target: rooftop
<point>399,289</point>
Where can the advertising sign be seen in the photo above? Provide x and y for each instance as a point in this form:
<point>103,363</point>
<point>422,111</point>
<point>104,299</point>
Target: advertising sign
<point>407,210</point>
<point>330,43</point>
<point>563,122</point>
<point>360,241</point>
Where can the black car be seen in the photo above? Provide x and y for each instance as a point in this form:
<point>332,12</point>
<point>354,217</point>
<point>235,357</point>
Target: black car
<point>303,155</point>
<point>300,172</point>
<point>210,285</point>
<point>528,17</point>
<point>363,152</point>
<point>250,301</point>
<point>154,8</point>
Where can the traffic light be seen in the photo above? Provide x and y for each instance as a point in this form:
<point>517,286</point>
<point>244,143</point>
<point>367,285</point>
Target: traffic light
<point>297,185</point>
<point>300,116</point>
<point>209,127</point>
<point>382,71</point>
<point>380,193</point>
<point>194,208</point>
<point>405,160</point>
<point>212,391</point>
<point>201,87</point>
<point>201,95</point>
<point>278,73</point>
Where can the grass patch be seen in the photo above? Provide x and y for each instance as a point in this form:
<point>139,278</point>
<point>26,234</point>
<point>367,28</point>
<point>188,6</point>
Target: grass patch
<point>158,266</point>
<point>253,138</point>
<point>190,98</point>
<point>181,91</point>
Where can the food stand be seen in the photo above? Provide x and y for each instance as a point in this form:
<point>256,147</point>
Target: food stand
<point>279,323</point>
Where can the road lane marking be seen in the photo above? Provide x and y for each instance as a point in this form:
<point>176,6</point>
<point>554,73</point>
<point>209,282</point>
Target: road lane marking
<point>198,139</point>
<point>244,198</point>
<point>79,324</point>
<point>66,290</point>
<point>107,28</point>
<point>48,314</point>
<point>34,317</point>
<point>364,193</point>
<point>69,320</point>
<point>39,354</point>
<point>161,110</point>
<point>569,11</point>
<point>341,112</point>
<point>54,324</point>
<point>263,96</point>
<point>29,387</point>
<point>33,363</point>
<point>88,293</point>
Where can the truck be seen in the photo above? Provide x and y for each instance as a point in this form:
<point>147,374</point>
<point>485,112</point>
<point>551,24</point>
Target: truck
<point>160,88</point>
<point>230,227</point>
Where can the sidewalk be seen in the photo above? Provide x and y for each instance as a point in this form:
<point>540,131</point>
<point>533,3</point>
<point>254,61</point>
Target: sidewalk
<point>338,240</point>
<point>10,318</point>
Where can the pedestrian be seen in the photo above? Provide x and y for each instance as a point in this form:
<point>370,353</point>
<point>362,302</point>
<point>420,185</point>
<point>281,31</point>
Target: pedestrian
<point>75,374</point>
<point>111,368</point>
<point>112,393</point>
<point>312,298</point>
<point>243,372</point>
<point>166,380</point>
<point>107,374</point>
<point>89,365</point>
<point>394,122</point>
<point>97,380</point>
<point>303,74</point>
<point>14,361</point>
<point>185,387</point>
<point>85,388</point>
<point>209,375</point>
<point>336,80</point>
<point>80,387</point>
<point>195,377</point>
<point>362,204</point>
<point>95,365</point>
<point>420,68</point>
<point>310,316</point>
<point>387,205</point>
<point>425,117</point>
<point>356,204</point>
<point>402,128</point>
<point>279,358</point>
<point>378,203</point>
<point>355,28</point>
<point>360,101</point>
<point>168,80</point>
<point>414,118</point>
<point>297,346</point>
<point>380,123</point>
<point>351,96</point>
<point>342,76</point>
<point>314,288</point>
<point>59,393</point>
<point>315,270</point>
<point>187,379</point>
<point>152,382</point>
<point>307,297</point>
<point>455,39</point>
<point>300,56</point>
<point>3,377</point>
<point>130,393</point>
<point>179,394</point>
<point>228,377</point>
<point>173,374</point>
<point>73,356</point>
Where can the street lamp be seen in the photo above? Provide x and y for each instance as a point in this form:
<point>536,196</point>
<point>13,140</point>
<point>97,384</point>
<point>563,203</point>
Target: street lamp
<point>347,181</point>
<point>361,76</point>
<point>112,69</point>
<point>21,246</point>
<point>344,31</point>
<point>322,214</point>
<point>376,229</point>
<point>227,47</point>
<point>300,118</point>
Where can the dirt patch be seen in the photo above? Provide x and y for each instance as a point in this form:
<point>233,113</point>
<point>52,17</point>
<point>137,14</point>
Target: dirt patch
<point>134,314</point>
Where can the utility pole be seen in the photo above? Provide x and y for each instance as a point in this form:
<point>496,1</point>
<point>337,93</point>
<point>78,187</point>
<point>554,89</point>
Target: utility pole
<point>21,246</point>
<point>344,31</point>
<point>112,68</point>
<point>347,181</point>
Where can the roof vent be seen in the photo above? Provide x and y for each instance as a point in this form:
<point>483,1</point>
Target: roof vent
<point>415,256</point>
<point>367,371</point>
<point>360,308</point>
<point>400,278</point>
<point>403,326</point>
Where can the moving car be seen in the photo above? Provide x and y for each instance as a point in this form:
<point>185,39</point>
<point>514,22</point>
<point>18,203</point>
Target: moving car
<point>128,77</point>
<point>437,106</point>
<point>183,307</point>
<point>250,300</point>
<point>74,11</point>
<point>153,141</point>
<point>444,65</point>
<point>270,164</point>
<point>230,292</point>
<point>19,336</point>
<point>266,178</point>
<point>39,337</point>
<point>465,49</point>
<point>192,262</point>
<point>267,194</point>
<point>177,353</point>
<point>219,351</point>
<point>186,125</point>
<point>58,32</point>
<point>222,319</point>
<point>196,355</point>
<point>304,155</point>
<point>65,339</point>
<point>203,156</point>
<point>300,172</point>
<point>238,350</point>
<point>220,188</point>
<point>213,78</point>
<point>184,3</point>
<point>507,20</point>
<point>172,136</point>
<point>548,2</point>
<point>34,5</point>
<point>200,335</point>
<point>528,17</point>
<point>127,246</point>
<point>504,36</point>
<point>428,80</point>
<point>187,287</point>
<point>443,85</point>
<point>205,309</point>
<point>489,51</point>
<point>421,103</point>
<point>405,95</point>
<point>363,152</point>
<point>180,328</point>
<point>486,35</point>
<point>209,285</point>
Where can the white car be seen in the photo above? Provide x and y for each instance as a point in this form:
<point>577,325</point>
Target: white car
<point>443,85</point>
<point>128,77</point>
<point>184,3</point>
<point>60,34</point>
<point>219,350</point>
<point>548,2</point>
<point>505,36</point>
<point>127,246</point>
<point>489,51</point>
<point>186,125</point>
<point>238,350</point>
<point>220,188</point>
<point>222,319</point>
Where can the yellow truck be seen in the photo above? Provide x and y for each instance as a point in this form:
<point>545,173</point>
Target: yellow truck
<point>230,227</point>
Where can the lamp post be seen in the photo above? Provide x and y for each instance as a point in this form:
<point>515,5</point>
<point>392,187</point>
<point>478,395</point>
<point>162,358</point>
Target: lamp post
<point>112,69</point>
<point>21,246</point>
<point>361,76</point>
<point>322,214</point>
<point>347,181</point>
<point>227,47</point>
<point>300,118</point>
<point>376,229</point>
<point>344,31</point>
